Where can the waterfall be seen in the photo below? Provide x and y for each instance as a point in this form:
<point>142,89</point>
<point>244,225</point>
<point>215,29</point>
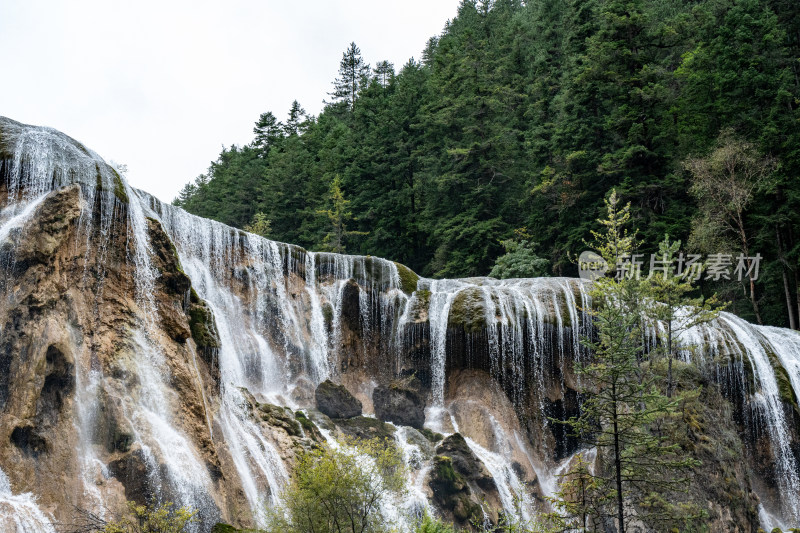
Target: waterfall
<point>280,311</point>
<point>418,467</point>
<point>442,294</point>
<point>20,512</point>
<point>45,160</point>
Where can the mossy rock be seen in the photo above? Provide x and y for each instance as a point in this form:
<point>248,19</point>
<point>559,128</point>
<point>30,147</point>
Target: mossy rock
<point>119,188</point>
<point>450,481</point>
<point>468,311</point>
<point>309,428</point>
<point>431,435</point>
<point>408,278</point>
<point>451,491</point>
<point>280,417</point>
<point>224,528</point>
<point>420,303</point>
<point>327,315</point>
<point>365,428</point>
<point>203,327</point>
<point>5,151</point>
<point>785,388</point>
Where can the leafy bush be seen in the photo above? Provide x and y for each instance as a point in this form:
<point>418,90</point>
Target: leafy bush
<point>430,524</point>
<point>161,519</point>
<point>520,259</point>
<point>340,488</point>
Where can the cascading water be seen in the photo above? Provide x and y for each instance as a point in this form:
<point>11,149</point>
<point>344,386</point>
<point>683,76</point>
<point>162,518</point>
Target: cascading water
<point>521,318</point>
<point>755,341</point>
<point>249,302</point>
<point>279,311</point>
<point>45,160</point>
<point>19,512</point>
<point>751,343</point>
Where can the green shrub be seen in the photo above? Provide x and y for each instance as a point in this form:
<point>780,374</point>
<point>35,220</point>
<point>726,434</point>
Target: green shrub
<point>339,489</point>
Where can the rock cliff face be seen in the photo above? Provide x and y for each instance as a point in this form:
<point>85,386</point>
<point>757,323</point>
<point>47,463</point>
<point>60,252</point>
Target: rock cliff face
<point>150,355</point>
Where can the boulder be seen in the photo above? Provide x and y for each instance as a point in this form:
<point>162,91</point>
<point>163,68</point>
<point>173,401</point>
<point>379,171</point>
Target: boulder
<point>400,403</point>
<point>452,494</point>
<point>465,462</point>
<point>365,428</point>
<point>336,401</point>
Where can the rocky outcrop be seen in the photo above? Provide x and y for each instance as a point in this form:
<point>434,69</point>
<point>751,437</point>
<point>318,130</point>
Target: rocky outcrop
<point>68,353</point>
<point>402,402</point>
<point>452,493</point>
<point>465,463</point>
<point>364,428</point>
<point>336,401</point>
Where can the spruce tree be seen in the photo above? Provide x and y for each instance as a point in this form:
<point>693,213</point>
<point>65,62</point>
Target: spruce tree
<point>268,131</point>
<point>353,76</point>
<point>338,216</point>
<point>297,121</point>
<point>623,404</point>
<point>384,73</point>
<point>668,292</point>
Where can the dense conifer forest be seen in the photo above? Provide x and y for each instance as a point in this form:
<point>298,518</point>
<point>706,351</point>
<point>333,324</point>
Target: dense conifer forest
<point>505,137</point>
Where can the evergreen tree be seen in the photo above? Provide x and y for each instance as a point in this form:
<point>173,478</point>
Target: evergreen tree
<point>384,73</point>
<point>297,121</point>
<point>668,291</point>
<point>268,132</point>
<point>520,259</point>
<point>338,216</point>
<point>353,76</point>
<point>529,114</point>
<point>623,405</point>
<point>260,225</point>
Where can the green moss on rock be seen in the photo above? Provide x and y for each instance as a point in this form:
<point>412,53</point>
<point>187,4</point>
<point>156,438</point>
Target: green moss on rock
<point>224,528</point>
<point>468,311</point>
<point>420,304</point>
<point>451,491</point>
<point>308,426</point>
<point>408,278</point>
<point>327,315</point>
<point>785,388</point>
<point>365,428</point>
<point>431,435</point>
<point>202,326</point>
<point>119,188</point>
<point>280,417</point>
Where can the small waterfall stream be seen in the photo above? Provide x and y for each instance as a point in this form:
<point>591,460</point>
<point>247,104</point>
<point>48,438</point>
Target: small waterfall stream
<point>20,512</point>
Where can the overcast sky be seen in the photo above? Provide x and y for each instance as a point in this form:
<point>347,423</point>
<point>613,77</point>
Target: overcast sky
<point>162,85</point>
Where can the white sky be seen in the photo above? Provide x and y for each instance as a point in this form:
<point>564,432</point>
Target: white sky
<point>162,85</point>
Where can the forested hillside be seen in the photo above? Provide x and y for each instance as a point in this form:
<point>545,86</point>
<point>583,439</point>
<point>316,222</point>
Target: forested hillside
<point>519,119</point>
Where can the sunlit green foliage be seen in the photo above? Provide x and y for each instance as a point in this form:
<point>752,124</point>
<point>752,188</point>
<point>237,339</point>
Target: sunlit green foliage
<point>164,518</point>
<point>339,488</point>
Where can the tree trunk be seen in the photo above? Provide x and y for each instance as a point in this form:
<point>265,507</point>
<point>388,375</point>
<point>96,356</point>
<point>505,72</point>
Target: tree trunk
<point>669,359</point>
<point>753,299</point>
<point>796,271</point>
<point>618,466</point>
<point>787,290</point>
